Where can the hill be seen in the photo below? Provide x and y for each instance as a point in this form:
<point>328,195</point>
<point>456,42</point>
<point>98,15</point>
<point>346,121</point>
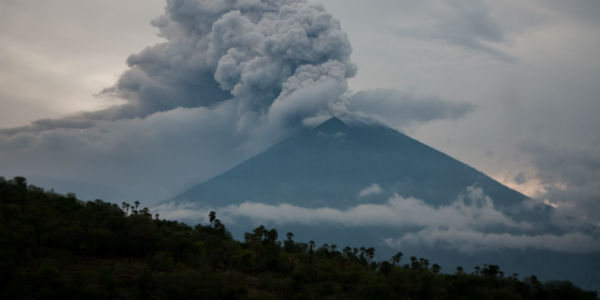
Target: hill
<point>56,246</point>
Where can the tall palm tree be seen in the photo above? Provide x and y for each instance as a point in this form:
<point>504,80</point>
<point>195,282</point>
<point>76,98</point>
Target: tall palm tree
<point>435,268</point>
<point>211,217</point>
<point>396,258</point>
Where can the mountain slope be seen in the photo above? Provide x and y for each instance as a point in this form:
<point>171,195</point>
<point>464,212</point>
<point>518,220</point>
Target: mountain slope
<point>329,165</point>
<point>327,171</point>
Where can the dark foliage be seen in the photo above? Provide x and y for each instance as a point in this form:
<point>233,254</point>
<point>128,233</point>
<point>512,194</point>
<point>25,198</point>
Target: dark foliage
<point>55,246</point>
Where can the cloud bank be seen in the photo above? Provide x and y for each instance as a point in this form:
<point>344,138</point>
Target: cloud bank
<point>471,241</point>
<point>470,224</point>
<point>471,210</point>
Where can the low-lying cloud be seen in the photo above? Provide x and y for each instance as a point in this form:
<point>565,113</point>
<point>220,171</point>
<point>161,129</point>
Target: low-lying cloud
<point>472,209</point>
<point>470,241</point>
<point>469,224</point>
<point>372,190</point>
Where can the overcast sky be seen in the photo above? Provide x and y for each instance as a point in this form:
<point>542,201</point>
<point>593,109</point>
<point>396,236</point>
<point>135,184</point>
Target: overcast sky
<point>509,87</point>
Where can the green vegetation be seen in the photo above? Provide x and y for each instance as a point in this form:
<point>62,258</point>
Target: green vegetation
<point>55,246</point>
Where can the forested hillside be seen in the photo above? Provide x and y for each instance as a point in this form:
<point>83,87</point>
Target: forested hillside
<point>56,246</point>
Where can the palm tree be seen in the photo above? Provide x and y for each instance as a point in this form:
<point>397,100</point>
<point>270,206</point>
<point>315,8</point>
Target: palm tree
<point>211,217</point>
<point>271,235</point>
<point>370,253</point>
<point>136,205</point>
<point>396,258</point>
<point>311,246</point>
<point>424,262</point>
<point>125,206</point>
<point>218,223</point>
<point>414,264</point>
<point>347,252</point>
<point>435,268</point>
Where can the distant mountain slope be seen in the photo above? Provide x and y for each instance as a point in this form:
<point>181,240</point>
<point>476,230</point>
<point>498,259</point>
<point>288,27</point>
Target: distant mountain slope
<point>329,165</point>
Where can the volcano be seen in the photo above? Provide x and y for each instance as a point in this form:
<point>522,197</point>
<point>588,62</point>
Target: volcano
<point>329,166</point>
<point>341,169</point>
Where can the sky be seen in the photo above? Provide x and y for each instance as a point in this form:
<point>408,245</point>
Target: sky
<point>101,97</point>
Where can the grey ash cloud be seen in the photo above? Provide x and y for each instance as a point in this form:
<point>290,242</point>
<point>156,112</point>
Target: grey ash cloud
<point>402,109</point>
<point>255,53</point>
<point>230,79</point>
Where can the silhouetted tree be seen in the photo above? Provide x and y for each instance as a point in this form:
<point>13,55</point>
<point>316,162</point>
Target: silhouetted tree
<point>435,268</point>
<point>414,264</point>
<point>211,217</point>
<point>396,258</point>
<point>385,267</point>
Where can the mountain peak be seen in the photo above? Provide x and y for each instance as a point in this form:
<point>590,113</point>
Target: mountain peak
<point>333,124</point>
<point>330,164</point>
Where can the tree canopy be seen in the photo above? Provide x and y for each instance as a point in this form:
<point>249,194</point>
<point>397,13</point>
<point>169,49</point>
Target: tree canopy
<point>56,246</point>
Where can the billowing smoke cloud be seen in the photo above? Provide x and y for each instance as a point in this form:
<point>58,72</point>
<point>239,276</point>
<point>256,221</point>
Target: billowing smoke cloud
<point>231,78</point>
<point>255,53</point>
<point>249,71</point>
<point>402,110</point>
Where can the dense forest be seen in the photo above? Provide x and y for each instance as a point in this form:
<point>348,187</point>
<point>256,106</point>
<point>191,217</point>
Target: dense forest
<point>56,246</point>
